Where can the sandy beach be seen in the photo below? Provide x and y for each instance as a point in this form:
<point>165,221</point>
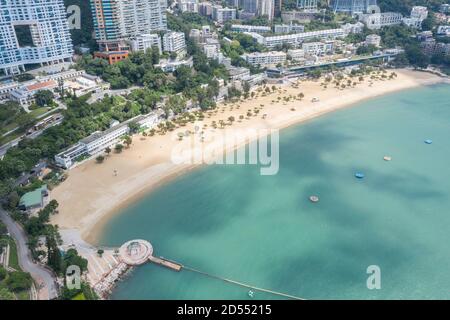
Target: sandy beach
<point>93,193</point>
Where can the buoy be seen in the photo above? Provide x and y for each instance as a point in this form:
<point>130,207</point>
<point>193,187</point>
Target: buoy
<point>428,141</point>
<point>359,175</point>
<point>251,294</point>
<point>387,158</point>
<point>314,199</point>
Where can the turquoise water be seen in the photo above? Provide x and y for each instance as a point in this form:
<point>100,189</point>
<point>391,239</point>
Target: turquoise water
<point>263,230</point>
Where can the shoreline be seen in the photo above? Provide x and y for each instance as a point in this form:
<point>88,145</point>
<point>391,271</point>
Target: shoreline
<point>146,166</point>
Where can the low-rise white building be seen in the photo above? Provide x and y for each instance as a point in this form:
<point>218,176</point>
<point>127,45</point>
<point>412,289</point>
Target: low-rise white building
<point>265,59</point>
<point>373,39</point>
<point>171,66</point>
<point>222,15</point>
<point>318,48</point>
<point>174,42</point>
<point>375,21</point>
<point>295,40</point>
<point>296,54</point>
<point>249,28</point>
<point>288,28</point>
<point>238,73</point>
<point>146,41</point>
<point>98,141</point>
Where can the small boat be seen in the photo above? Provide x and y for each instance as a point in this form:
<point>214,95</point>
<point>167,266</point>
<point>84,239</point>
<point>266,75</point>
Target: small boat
<point>251,294</point>
<point>428,141</point>
<point>359,175</point>
<point>314,199</point>
<point>387,158</point>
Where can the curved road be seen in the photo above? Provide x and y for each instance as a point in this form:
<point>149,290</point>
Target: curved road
<point>44,279</point>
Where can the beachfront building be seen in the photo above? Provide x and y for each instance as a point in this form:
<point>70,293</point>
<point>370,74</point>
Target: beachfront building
<point>98,141</point>
<point>295,40</point>
<point>146,41</point>
<point>288,28</point>
<point>25,94</point>
<point>238,73</point>
<point>174,42</point>
<point>222,15</point>
<point>249,28</point>
<point>373,39</point>
<point>265,59</point>
<point>375,21</point>
<point>47,38</point>
<point>307,4</point>
<point>296,54</point>
<point>34,200</point>
<point>318,48</point>
<point>119,20</point>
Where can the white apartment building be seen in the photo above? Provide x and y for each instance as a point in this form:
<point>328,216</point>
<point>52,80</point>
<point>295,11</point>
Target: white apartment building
<point>117,20</point>
<point>295,40</point>
<point>146,41</point>
<point>288,28</point>
<point>296,54</point>
<point>266,8</point>
<point>171,66</point>
<point>221,14</point>
<point>46,23</point>
<point>373,39</point>
<point>318,48</point>
<point>238,73</point>
<point>249,28</point>
<point>142,16</point>
<point>188,5</point>
<point>211,48</point>
<point>174,42</point>
<point>378,20</point>
<point>419,12</point>
<point>265,59</point>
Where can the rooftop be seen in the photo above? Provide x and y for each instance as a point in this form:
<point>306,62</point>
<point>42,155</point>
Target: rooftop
<point>33,198</point>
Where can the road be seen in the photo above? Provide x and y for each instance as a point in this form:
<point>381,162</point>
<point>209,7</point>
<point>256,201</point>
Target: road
<point>43,278</point>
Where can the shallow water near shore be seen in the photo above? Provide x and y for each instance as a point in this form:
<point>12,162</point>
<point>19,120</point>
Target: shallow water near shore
<point>262,230</point>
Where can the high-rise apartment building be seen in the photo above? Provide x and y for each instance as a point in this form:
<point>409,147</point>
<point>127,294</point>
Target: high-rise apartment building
<point>352,6</point>
<point>118,20</point>
<point>266,8</point>
<point>307,4</point>
<point>33,32</point>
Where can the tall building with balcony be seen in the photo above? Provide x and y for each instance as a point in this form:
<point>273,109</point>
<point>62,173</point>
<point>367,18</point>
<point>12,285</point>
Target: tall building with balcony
<point>33,32</point>
<point>174,42</point>
<point>352,6</point>
<point>118,20</point>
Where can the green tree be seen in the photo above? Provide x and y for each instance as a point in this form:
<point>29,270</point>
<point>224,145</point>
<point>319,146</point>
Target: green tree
<point>44,98</point>
<point>100,159</point>
<point>118,148</point>
<point>18,280</point>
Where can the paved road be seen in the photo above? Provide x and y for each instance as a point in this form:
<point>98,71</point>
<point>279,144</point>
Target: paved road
<point>44,279</point>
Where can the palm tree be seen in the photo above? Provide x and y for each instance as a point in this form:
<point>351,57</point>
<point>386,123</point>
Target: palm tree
<point>100,159</point>
<point>231,119</point>
<point>118,148</point>
<point>108,150</point>
<point>128,141</point>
